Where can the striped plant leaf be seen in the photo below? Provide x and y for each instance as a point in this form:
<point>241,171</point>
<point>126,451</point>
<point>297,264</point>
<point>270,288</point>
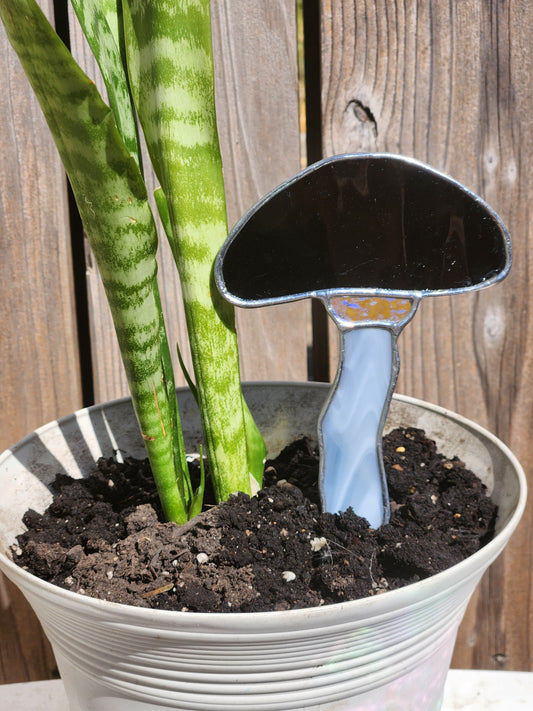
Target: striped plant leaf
<point>112,200</point>
<point>101,22</point>
<point>170,64</point>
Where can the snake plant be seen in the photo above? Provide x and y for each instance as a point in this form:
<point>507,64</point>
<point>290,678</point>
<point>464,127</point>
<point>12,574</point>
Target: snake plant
<point>157,64</point>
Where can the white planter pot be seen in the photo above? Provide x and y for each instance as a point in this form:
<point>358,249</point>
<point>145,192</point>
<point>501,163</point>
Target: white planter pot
<point>386,653</point>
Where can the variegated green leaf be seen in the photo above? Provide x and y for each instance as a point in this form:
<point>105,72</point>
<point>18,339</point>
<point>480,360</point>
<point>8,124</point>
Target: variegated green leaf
<point>101,21</point>
<point>112,199</point>
<point>180,460</point>
<point>170,64</point>
<point>197,500</point>
<point>162,208</point>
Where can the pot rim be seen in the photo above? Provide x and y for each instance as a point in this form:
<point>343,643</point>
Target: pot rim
<point>367,608</point>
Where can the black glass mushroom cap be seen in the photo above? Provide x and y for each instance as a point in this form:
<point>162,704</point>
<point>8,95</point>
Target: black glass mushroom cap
<point>369,235</point>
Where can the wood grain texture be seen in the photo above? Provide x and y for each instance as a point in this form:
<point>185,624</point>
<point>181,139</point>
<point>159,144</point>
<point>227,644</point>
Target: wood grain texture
<point>40,378</point>
<point>25,653</point>
<point>257,104</point>
<point>449,83</point>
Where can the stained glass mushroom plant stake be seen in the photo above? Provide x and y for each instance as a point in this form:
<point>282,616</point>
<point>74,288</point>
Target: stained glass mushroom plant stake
<point>369,235</point>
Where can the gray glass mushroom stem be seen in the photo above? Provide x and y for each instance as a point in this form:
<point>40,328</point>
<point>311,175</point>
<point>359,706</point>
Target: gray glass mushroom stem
<point>350,426</point>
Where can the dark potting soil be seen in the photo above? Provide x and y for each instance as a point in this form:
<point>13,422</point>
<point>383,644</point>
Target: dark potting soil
<point>102,536</point>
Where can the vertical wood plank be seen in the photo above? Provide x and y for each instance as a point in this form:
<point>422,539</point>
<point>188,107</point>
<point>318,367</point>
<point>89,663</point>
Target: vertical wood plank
<point>40,378</point>
<point>255,47</point>
<point>25,653</point>
<point>448,83</point>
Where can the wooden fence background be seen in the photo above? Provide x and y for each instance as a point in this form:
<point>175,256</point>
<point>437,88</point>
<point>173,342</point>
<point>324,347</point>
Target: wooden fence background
<point>445,81</point>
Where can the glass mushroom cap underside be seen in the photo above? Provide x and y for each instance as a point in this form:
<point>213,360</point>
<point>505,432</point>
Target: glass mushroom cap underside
<point>369,235</point>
